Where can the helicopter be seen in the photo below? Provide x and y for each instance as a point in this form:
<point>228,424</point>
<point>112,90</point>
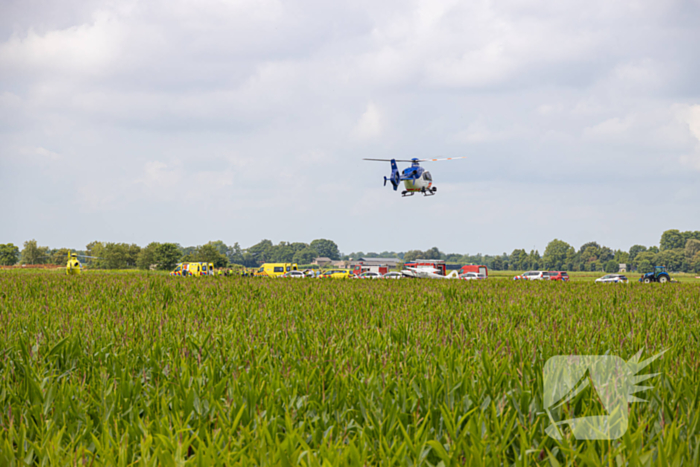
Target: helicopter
<point>416,179</point>
<point>74,266</point>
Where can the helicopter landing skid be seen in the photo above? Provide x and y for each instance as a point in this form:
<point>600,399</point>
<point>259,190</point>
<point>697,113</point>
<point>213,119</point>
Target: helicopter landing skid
<point>406,193</point>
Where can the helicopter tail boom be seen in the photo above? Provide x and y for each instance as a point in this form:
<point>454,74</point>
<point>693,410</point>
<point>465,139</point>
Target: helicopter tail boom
<point>395,175</point>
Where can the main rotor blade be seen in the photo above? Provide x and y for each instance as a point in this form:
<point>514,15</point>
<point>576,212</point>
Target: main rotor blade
<point>445,159</point>
<point>388,160</point>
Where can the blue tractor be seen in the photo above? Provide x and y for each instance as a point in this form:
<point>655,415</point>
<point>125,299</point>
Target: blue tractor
<point>658,275</point>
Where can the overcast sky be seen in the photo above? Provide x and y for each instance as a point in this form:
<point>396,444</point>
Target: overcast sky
<point>190,121</point>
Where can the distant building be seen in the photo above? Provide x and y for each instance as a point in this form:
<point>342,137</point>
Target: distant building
<point>623,267</point>
<point>322,261</point>
<point>340,264</point>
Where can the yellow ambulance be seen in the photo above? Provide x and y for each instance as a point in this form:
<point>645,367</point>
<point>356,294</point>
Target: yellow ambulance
<point>193,269</point>
<point>275,269</point>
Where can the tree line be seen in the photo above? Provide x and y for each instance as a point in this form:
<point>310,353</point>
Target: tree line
<point>678,251</point>
<point>165,256</point>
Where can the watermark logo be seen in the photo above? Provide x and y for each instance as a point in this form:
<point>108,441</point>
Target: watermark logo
<point>610,377</point>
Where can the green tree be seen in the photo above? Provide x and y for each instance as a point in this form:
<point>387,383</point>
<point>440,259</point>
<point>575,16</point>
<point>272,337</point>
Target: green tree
<point>692,247</point>
<point>671,239</point>
<point>354,255</point>
<point>187,251</point>
<point>281,253</point>
<point>555,254</point>
<point>518,260</point>
<point>97,251</point>
<point>9,254</point>
<point>261,251</point>
<point>147,256</point>
<point>570,260</point>
<point>635,250</point>
<point>237,255</point>
<point>645,266</point>
<point>412,255</point>
<point>221,247</point>
<point>305,256</point>
<point>167,255</point>
<point>673,259</point>
<point>587,245</point>
<point>622,256</point>
<point>589,255</point>
<point>648,256</point>
<point>119,256</point>
<point>695,263</point>
<point>133,255</point>
<point>326,248</point>
<point>605,254</point>
<point>114,256</point>
<point>33,254</point>
<point>612,266</point>
<point>211,254</point>
<point>450,258</point>
<point>433,253</point>
<point>497,264</point>
<point>60,256</point>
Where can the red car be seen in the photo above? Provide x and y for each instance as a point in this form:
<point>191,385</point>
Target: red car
<point>557,276</point>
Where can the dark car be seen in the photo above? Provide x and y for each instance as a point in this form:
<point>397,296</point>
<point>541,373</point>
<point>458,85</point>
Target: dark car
<point>557,276</point>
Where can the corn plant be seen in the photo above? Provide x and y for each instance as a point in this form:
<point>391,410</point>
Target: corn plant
<point>143,369</point>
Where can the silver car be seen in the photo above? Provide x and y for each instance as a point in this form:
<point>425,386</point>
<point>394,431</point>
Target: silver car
<point>369,275</point>
<point>468,276</point>
<point>531,276</point>
<point>293,275</point>
<point>612,278</point>
<point>393,275</point>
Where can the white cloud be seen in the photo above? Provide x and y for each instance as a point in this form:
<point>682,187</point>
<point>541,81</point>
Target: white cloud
<point>613,127</point>
<point>369,124</point>
<point>690,115</point>
<point>86,49</point>
<point>43,152</point>
<point>479,132</point>
<point>266,104</point>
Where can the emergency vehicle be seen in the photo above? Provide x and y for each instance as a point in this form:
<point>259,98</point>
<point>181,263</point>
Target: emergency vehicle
<point>275,269</point>
<point>193,269</point>
<point>359,268</point>
<point>477,268</point>
<point>438,264</point>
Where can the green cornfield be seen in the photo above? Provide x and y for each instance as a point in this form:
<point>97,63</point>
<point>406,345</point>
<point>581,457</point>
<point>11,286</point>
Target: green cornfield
<point>144,369</point>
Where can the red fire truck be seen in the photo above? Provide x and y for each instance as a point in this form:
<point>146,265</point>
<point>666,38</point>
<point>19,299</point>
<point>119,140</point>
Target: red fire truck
<point>360,267</point>
<point>478,268</point>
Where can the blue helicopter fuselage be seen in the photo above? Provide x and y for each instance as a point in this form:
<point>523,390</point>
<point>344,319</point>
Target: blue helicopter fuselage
<point>413,172</point>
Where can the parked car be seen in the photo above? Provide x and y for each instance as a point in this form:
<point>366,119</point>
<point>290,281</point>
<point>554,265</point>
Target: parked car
<point>392,275</point>
<point>336,274</point>
<point>610,278</point>
<point>531,276</point>
<point>557,276</point>
<point>293,275</point>
<point>369,275</point>
<point>467,276</point>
